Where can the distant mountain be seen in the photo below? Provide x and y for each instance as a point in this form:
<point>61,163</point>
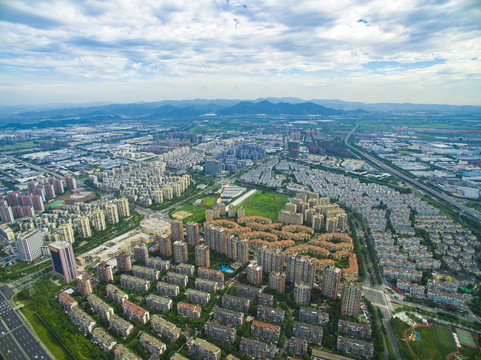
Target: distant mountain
<point>282,108</point>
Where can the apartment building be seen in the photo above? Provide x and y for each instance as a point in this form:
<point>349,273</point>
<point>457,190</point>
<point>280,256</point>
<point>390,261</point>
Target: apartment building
<point>124,262</point>
<point>354,347</point>
<point>157,263</point>
<point>254,273</point>
<point>185,269</point>
<point>189,311</point>
<point>202,256</point>
<point>297,346</point>
<point>100,307</point>
<point>265,299</point>
<point>193,233</point>
<point>206,285</point>
<point>165,246</point>
<point>203,349</point>
<point>181,252</point>
<point>270,314</point>
<point>141,253</point>
<point>104,272</point>
<point>247,291</point>
<point>235,302</point>
<point>166,289</point>
<point>165,328</point>
<point>115,294</point>
<point>197,297</point>
<point>152,345</point>
<point>102,339</point>
<point>277,281</point>
<point>313,316</point>
<point>308,332</point>
<point>220,332</point>
<point>135,312</point>
<point>134,283</point>
<point>302,294</point>
<point>266,331</point>
<point>146,273</point>
<point>228,317</point>
<point>271,260</point>
<point>177,279</point>
<point>122,353</point>
<point>159,303</point>
<point>353,329</point>
<point>82,320</point>
<point>66,301</point>
<point>257,349</point>
<point>212,275</point>
<point>121,326</point>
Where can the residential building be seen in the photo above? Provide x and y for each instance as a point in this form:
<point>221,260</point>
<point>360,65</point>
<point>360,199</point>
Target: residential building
<point>157,263</point>
<point>141,253</point>
<point>82,320</point>
<point>165,246</point>
<point>235,302</point>
<point>123,207</point>
<point>115,294</point>
<point>301,269</point>
<point>82,225</point>
<point>102,339</point>
<point>122,353</point>
<point>197,297</point>
<point>351,299</point>
<point>313,316</point>
<point>354,329</point>
<point>270,314</point>
<point>265,299</point>
<point>202,256</point>
<point>211,274</point>
<point>84,285</point>
<point>203,349</point>
<point>308,332</point>
<point>189,311</point>
<point>165,328</point>
<point>181,252</point>
<point>98,220</point>
<point>302,293</point>
<point>159,303</point>
<point>297,346</point>
<point>152,345</point>
<point>277,281</point>
<point>355,347</point>
<point>186,269</point>
<point>146,273</point>
<point>134,283</point>
<point>63,261</point>
<point>100,307</point>
<point>247,291</point>
<point>135,312</point>
<point>215,238</point>
<point>124,262</point>
<point>112,213</point>
<point>237,249</point>
<point>257,349</point>
<point>177,279</point>
<point>29,245</point>
<point>177,227</point>
<point>271,260</point>
<point>193,233</point>
<point>330,282</point>
<point>220,332</point>
<point>66,232</point>
<point>166,289</point>
<point>206,285</point>
<point>66,301</point>
<point>254,273</point>
<point>228,317</point>
<point>121,326</point>
<point>104,272</point>
<point>266,331</point>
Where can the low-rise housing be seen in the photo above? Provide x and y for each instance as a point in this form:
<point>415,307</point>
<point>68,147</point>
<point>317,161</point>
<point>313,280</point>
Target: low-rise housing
<point>121,326</point>
<point>206,285</point>
<point>308,332</point>
<point>247,291</point>
<point>185,269</point>
<point>265,299</point>
<point>313,316</point>
<point>100,307</point>
<point>220,332</point>
<point>165,328</point>
<point>211,274</point>
<point>159,303</point>
<point>157,263</point>
<point>203,349</point>
<point>355,347</point>
<point>189,311</point>
<point>177,279</point>
<point>257,349</point>
<point>134,283</point>
<point>102,339</point>
<point>152,345</point>
<point>228,317</point>
<point>66,301</point>
<point>82,320</point>
<point>197,297</point>
<point>297,346</point>
<point>266,331</point>
<point>135,312</point>
<point>167,289</point>
<point>115,294</point>
<point>272,315</point>
<point>146,273</point>
<point>235,302</point>
<point>354,329</point>
<point>122,353</point>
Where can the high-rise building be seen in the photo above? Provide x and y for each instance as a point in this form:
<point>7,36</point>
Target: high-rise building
<point>29,245</point>
<point>213,167</point>
<point>141,253</point>
<point>330,282</point>
<point>124,263</point>
<point>112,213</point>
<point>351,299</point>
<point>177,227</point>
<point>49,191</point>
<point>58,186</point>
<point>237,249</point>
<point>123,207</point>
<point>84,285</point>
<point>241,212</point>
<point>158,196</point>
<point>63,260</point>
<point>66,232</point>
<point>277,281</point>
<point>70,182</point>
<point>254,273</point>
<point>270,259</point>
<point>37,202</point>
<point>104,272</point>
<point>181,252</point>
<point>6,213</point>
<point>193,236</point>
<point>165,246</point>
<point>301,269</point>
<point>302,293</point>
<point>98,220</point>
<point>215,238</point>
<point>83,226</point>
<point>202,256</point>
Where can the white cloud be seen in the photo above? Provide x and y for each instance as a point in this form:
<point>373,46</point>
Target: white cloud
<point>331,42</point>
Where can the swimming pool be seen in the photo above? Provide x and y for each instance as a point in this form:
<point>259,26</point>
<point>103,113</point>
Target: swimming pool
<point>226,268</point>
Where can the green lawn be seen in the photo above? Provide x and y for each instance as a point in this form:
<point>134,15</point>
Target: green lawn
<point>427,348</point>
<point>444,336</point>
<point>264,204</point>
<point>209,201</point>
<point>198,213</point>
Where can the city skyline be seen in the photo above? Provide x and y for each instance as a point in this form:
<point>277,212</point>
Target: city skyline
<point>408,51</point>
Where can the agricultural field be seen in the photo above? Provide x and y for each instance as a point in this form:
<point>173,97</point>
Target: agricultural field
<point>264,204</point>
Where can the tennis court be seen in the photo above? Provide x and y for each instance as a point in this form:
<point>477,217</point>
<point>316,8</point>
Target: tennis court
<point>466,338</point>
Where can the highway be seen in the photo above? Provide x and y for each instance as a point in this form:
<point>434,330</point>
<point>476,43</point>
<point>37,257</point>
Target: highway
<point>437,194</point>
<point>16,340</point>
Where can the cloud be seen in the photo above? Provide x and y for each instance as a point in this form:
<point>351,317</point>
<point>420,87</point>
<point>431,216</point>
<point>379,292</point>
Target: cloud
<point>68,41</point>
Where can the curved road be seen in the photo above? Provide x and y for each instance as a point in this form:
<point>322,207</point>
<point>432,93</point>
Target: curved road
<point>437,194</point>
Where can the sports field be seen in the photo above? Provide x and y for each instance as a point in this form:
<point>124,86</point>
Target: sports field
<point>466,338</point>
<point>209,201</point>
<point>434,342</point>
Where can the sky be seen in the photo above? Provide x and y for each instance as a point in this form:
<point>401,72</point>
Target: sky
<point>77,51</point>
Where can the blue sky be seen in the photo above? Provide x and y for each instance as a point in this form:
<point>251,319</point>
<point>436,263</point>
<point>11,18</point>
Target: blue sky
<point>54,51</point>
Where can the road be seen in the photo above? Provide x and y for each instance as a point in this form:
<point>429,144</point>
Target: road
<point>39,168</point>
<point>437,194</point>
<point>16,340</point>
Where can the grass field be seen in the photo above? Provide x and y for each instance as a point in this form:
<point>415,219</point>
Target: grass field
<point>198,213</point>
<point>209,201</point>
<point>264,204</point>
<point>427,348</point>
<point>444,336</point>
